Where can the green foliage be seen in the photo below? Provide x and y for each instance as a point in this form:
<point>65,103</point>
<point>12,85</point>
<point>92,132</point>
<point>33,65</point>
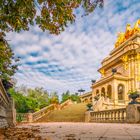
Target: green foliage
<point>65,96</point>
<point>89,105</point>
<point>51,15</point>
<point>54,99</point>
<point>7,60</point>
<point>21,102</point>
<point>40,96</point>
<point>73,97</point>
<point>133,92</point>
<point>76,98</point>
<point>19,117</point>
<point>34,101</point>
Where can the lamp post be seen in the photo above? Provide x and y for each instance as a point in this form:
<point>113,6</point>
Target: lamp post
<point>81,90</point>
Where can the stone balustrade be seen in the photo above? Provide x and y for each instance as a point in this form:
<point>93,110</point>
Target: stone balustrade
<point>37,115</point>
<point>32,117</point>
<point>114,115</point>
<point>66,103</point>
<point>130,114</point>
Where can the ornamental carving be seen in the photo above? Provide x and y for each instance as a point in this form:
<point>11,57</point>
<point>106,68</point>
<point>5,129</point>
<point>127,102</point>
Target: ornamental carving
<point>138,56</point>
<point>138,66</point>
<point>122,37</point>
<point>125,61</point>
<point>102,71</point>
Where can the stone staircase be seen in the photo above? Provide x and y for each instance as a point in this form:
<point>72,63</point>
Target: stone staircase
<point>71,113</point>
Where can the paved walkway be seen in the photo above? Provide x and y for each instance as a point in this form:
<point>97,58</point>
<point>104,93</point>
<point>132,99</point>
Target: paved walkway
<point>86,131</point>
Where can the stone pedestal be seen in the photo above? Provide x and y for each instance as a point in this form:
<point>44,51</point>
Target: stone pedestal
<point>133,113</point>
<point>30,117</point>
<point>87,116</point>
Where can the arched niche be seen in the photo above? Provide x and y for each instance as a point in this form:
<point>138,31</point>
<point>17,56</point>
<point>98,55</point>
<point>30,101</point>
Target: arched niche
<point>97,91</point>
<point>109,91</point>
<point>103,91</point>
<point>121,91</point>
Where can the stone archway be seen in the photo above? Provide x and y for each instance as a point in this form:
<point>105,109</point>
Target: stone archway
<point>97,91</point>
<point>109,91</point>
<point>90,99</point>
<point>103,91</point>
<point>86,100</point>
<point>121,91</point>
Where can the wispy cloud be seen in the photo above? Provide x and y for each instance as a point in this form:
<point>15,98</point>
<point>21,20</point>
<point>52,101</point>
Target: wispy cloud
<point>70,60</point>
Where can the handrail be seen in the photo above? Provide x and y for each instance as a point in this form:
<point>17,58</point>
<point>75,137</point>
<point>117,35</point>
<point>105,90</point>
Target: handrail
<point>37,115</point>
<point>112,115</point>
<point>62,105</point>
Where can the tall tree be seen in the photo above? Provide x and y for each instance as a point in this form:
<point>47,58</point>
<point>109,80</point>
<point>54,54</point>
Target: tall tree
<point>7,60</point>
<point>66,96</point>
<point>51,15</point>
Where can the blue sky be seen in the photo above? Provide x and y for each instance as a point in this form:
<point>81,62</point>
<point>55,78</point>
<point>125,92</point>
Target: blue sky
<point>71,60</point>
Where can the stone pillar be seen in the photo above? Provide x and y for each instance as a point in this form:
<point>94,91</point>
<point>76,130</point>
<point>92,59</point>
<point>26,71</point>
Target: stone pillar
<point>133,113</point>
<point>3,121</point>
<point>30,117</point>
<point>87,116</point>
<point>132,73</point>
<point>138,73</point>
<point>115,92</point>
<point>129,74</point>
<point>11,113</point>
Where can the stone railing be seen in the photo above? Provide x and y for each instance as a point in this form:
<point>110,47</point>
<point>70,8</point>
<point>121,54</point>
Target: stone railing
<point>37,115</point>
<point>32,117</point>
<point>115,115</point>
<point>130,114</point>
<point>66,103</point>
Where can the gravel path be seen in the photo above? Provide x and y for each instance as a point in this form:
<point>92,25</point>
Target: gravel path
<point>74,131</point>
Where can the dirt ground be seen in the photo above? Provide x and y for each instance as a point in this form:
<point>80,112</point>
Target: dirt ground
<point>72,131</point>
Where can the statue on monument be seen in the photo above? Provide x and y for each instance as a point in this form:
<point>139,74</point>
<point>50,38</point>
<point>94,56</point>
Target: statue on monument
<point>121,37</point>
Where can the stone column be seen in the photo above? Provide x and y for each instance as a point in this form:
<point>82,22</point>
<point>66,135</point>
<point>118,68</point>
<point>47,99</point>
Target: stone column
<point>133,113</point>
<point>132,72</point>
<point>87,116</point>
<point>138,72</point>
<point>11,113</point>
<point>115,92</point>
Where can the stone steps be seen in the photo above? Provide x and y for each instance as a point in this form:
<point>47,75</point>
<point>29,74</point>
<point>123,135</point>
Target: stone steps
<point>71,113</point>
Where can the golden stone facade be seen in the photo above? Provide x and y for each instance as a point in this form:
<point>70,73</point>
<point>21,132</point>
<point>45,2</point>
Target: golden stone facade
<point>86,97</point>
<point>120,71</point>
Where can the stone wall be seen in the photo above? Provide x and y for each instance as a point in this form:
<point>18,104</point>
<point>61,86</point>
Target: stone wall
<point>7,114</point>
<point>3,122</point>
<point>7,109</point>
<point>3,117</point>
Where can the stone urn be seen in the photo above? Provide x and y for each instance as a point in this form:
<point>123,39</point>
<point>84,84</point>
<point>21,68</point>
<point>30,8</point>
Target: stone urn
<point>89,107</point>
<point>134,96</point>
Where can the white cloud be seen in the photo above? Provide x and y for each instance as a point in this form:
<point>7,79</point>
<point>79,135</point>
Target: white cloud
<point>71,60</point>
